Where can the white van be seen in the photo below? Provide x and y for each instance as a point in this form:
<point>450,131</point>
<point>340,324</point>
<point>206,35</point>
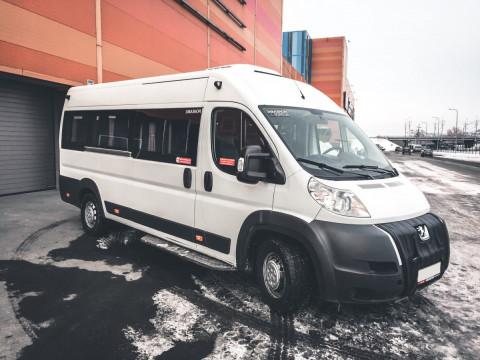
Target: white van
<point>238,168</point>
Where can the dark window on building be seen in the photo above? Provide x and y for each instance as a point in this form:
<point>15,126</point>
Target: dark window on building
<point>232,131</point>
<point>168,135</point>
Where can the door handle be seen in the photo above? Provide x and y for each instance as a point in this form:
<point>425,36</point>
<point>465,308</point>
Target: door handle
<point>208,181</point>
<point>187,178</point>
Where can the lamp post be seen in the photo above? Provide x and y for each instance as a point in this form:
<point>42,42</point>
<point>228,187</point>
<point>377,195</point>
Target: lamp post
<point>437,119</point>
<point>426,128</point>
<point>456,127</point>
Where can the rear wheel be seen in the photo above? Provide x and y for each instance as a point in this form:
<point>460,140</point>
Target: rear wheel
<point>282,273</point>
<point>93,221</point>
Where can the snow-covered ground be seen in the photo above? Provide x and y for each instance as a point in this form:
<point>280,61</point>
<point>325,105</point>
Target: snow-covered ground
<point>441,322</point>
<point>183,311</point>
<point>435,179</point>
<point>458,155</point>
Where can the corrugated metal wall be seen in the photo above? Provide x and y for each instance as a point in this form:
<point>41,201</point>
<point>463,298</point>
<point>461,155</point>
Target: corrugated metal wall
<point>27,146</point>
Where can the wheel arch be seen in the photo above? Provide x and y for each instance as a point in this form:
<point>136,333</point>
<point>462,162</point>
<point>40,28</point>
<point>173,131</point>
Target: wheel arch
<point>89,186</point>
<point>260,224</point>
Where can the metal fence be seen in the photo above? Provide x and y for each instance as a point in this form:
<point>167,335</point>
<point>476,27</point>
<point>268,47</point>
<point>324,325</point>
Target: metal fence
<point>471,150</point>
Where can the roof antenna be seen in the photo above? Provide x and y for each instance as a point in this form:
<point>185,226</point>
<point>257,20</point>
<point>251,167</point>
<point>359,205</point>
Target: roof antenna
<point>298,87</point>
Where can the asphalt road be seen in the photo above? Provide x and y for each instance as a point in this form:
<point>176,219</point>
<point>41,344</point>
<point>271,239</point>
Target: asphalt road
<point>70,296</point>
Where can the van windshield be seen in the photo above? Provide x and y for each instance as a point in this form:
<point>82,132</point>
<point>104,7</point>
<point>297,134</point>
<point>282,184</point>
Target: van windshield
<point>328,145</point>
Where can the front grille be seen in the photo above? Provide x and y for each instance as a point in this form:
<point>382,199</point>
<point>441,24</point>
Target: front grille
<point>416,253</point>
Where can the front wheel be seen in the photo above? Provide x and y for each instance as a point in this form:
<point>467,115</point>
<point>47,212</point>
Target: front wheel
<point>282,273</point>
<point>93,221</point>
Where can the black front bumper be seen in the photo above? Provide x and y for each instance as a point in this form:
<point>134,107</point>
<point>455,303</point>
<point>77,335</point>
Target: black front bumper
<point>378,263</point>
<point>416,253</point>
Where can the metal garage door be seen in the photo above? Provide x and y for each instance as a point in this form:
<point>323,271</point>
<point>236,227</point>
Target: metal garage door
<point>27,160</point>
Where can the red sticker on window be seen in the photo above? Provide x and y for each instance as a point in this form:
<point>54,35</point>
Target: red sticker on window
<point>184,160</point>
<point>226,161</point>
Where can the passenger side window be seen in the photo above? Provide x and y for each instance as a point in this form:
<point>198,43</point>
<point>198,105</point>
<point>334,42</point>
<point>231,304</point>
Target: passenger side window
<point>110,130</point>
<point>233,130</point>
<point>166,135</point>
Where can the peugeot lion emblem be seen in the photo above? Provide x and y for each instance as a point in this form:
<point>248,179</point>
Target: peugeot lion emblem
<point>422,231</point>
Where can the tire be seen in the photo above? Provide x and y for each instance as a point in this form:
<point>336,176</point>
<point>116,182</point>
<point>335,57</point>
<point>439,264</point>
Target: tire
<point>91,215</point>
<point>282,272</point>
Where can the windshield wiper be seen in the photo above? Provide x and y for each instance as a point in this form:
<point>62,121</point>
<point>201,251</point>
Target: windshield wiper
<point>321,165</point>
<point>393,172</point>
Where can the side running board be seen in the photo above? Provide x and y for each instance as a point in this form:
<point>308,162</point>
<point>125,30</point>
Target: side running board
<point>187,254</point>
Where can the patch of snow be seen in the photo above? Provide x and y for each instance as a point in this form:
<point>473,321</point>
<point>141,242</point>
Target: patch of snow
<point>387,144</point>
<point>474,157</point>
<point>173,322</point>
<point>240,342</point>
<point>433,179</point>
<point>126,270</point>
<point>69,297</point>
<point>105,242</point>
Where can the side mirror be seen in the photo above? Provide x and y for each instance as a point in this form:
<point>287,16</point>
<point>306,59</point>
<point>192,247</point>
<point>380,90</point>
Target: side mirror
<point>255,165</point>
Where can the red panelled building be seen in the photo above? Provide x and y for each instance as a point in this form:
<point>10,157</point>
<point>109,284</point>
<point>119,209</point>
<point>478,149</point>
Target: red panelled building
<point>47,46</point>
<point>70,42</point>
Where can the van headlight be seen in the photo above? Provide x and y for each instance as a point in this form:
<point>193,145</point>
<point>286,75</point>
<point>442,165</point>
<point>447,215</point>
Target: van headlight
<point>342,202</point>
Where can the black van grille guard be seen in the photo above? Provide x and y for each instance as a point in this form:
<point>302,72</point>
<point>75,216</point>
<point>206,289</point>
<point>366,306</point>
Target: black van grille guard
<point>416,253</point>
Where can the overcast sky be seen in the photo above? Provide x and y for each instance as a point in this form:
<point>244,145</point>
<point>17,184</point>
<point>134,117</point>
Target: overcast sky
<point>408,59</point>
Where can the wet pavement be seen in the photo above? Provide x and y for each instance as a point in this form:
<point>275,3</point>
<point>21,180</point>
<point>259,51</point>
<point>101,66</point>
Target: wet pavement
<point>78,297</point>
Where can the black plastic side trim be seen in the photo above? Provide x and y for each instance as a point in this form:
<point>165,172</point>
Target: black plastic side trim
<point>70,186</point>
<point>154,222</point>
<point>76,189</point>
<point>212,241</point>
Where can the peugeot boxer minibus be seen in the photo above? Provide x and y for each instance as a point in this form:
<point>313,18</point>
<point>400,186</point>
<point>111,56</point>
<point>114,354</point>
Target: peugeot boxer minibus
<point>239,168</point>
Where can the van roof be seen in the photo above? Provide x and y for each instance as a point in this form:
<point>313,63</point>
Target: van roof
<point>247,84</point>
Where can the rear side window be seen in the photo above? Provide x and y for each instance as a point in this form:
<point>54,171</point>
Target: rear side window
<point>232,130</point>
<point>101,129</point>
<point>75,131</point>
<point>165,135</point>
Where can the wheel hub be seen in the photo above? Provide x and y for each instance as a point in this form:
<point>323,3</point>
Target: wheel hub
<point>90,214</point>
<point>273,275</point>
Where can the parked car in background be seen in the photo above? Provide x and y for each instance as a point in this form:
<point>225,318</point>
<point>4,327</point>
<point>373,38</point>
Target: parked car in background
<point>407,150</point>
<point>417,148</point>
<point>427,152</point>
<point>398,149</point>
<point>380,147</point>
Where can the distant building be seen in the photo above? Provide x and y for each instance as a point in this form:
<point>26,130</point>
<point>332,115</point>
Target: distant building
<point>297,50</point>
<point>322,62</point>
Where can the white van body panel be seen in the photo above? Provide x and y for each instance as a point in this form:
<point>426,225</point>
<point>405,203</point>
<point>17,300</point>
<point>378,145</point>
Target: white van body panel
<point>223,210</point>
<point>157,90</point>
<point>353,259</point>
<point>154,187</point>
<point>387,200</point>
<point>290,198</point>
